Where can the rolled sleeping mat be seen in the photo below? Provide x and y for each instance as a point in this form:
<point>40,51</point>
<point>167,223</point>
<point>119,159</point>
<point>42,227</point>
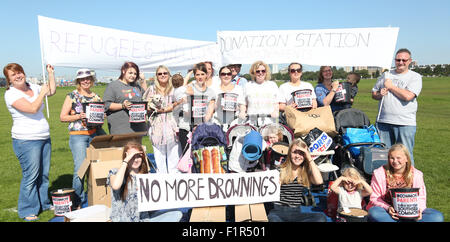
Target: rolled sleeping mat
<point>252,147</point>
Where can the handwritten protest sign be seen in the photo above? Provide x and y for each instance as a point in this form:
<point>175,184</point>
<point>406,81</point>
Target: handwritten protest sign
<point>71,44</point>
<point>164,191</point>
<point>334,47</point>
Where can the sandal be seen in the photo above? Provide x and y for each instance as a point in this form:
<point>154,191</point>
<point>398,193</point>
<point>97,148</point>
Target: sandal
<point>31,218</point>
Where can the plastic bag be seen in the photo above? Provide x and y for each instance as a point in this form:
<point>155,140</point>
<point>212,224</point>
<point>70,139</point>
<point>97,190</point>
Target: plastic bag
<point>357,135</point>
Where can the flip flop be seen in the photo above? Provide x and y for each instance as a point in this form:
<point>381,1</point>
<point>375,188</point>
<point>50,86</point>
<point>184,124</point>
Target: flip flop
<point>31,218</point>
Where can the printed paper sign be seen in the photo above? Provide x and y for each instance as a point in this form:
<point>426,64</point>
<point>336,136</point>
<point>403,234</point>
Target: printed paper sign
<point>95,113</point>
<point>321,144</point>
<point>303,98</point>
<point>229,102</point>
<point>199,106</point>
<point>165,191</point>
<point>138,113</point>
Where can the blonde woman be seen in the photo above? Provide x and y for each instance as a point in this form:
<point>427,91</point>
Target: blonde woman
<point>297,173</point>
<point>262,96</point>
<point>163,127</point>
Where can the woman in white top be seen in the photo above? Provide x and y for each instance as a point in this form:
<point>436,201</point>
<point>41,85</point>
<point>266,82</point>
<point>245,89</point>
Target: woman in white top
<point>304,95</point>
<point>230,99</point>
<point>30,137</point>
<point>262,96</point>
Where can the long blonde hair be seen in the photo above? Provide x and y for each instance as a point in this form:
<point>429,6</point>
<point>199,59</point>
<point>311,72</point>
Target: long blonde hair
<point>159,89</point>
<point>407,174</point>
<point>286,175</point>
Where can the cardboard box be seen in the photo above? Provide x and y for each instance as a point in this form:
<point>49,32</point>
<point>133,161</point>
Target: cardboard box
<point>208,214</point>
<point>103,154</point>
<point>250,213</point>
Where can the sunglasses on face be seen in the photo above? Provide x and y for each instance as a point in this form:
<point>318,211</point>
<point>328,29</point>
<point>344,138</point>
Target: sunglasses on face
<point>299,70</point>
<point>400,60</point>
<point>226,74</point>
<point>83,73</point>
<point>260,71</point>
<point>162,73</point>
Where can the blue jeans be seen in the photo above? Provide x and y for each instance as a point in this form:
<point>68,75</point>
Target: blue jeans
<point>281,213</point>
<point>34,158</point>
<point>391,134</point>
<point>379,214</point>
<point>78,145</point>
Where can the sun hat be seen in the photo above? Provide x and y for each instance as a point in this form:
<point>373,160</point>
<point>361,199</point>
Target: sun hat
<point>82,73</point>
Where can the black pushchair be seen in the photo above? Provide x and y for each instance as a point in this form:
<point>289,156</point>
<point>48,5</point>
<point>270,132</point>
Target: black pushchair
<point>370,155</point>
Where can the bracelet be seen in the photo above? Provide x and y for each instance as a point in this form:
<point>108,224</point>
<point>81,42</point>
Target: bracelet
<point>124,162</point>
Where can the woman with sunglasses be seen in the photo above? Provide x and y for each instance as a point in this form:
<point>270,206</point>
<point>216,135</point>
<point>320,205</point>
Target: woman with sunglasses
<point>304,91</point>
<point>326,89</point>
<point>124,203</point>
<point>30,135</point>
<point>80,135</point>
<point>118,97</point>
<point>230,99</point>
<point>262,96</point>
<point>163,128</point>
<point>297,173</point>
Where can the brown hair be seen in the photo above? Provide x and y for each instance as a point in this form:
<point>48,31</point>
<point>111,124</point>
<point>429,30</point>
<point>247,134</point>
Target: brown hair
<point>126,66</point>
<point>177,80</point>
<point>14,67</point>
<point>322,68</point>
<point>354,78</point>
<point>142,170</point>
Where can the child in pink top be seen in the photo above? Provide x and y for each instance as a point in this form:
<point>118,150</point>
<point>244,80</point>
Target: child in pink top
<point>398,173</point>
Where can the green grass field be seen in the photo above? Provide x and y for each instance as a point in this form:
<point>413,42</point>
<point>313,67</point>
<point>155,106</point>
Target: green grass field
<point>431,151</point>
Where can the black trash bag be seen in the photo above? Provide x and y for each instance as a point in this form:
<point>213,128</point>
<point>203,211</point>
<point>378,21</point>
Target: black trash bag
<point>317,140</point>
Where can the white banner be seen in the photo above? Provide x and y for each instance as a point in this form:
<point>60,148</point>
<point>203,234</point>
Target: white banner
<point>165,191</point>
<point>333,47</point>
<point>70,44</point>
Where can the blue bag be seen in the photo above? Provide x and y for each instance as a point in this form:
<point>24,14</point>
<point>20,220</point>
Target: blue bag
<point>357,135</point>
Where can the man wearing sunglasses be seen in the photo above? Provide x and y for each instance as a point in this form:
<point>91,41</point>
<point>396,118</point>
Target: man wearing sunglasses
<point>397,91</point>
<point>237,78</point>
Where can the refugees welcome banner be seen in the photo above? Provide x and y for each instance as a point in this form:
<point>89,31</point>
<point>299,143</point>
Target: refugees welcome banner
<point>164,191</point>
<point>70,44</point>
<point>334,47</point>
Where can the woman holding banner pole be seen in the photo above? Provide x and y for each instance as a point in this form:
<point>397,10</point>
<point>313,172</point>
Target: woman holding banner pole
<point>80,134</point>
<point>163,128</point>
<point>119,97</point>
<point>30,138</point>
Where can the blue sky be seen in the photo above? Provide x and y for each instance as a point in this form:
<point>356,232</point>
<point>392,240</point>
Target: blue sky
<point>424,25</point>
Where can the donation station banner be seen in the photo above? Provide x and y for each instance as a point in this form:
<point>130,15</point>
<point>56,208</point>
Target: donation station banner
<point>71,44</point>
<point>333,47</point>
<point>165,191</point>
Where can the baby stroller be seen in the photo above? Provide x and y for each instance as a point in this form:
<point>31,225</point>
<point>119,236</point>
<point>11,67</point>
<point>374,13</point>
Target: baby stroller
<point>366,155</point>
<point>208,149</point>
<point>275,155</point>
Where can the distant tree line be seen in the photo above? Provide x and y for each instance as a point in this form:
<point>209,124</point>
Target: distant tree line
<point>438,70</point>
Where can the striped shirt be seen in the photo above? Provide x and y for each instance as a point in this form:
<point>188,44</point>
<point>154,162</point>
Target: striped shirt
<point>292,194</point>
